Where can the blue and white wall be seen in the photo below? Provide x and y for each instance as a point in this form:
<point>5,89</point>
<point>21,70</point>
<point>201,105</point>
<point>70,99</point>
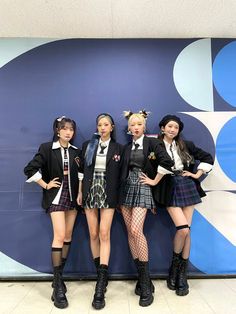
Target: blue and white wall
<point>42,79</point>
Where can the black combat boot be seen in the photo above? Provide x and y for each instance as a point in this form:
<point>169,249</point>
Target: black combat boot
<point>63,283</point>
<point>138,287</point>
<point>182,287</point>
<point>58,295</point>
<point>173,271</point>
<point>99,296</point>
<point>146,297</point>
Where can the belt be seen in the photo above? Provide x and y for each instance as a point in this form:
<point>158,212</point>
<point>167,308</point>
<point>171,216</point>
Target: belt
<point>134,168</point>
<point>177,172</point>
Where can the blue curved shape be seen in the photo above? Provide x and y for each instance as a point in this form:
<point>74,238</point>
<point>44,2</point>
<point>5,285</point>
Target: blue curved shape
<point>11,48</point>
<point>192,75</point>
<point>211,252</point>
<point>224,73</point>
<point>226,148</point>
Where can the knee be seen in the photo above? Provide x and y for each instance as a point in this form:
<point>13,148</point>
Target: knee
<point>183,231</point>
<point>134,231</point>
<point>59,238</point>
<point>68,235</point>
<point>93,234</point>
<point>104,235</point>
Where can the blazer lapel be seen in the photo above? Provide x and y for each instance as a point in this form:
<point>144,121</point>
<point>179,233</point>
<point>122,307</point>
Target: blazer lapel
<point>71,155</point>
<point>57,152</point>
<point>111,151</point>
<point>127,153</point>
<point>145,146</point>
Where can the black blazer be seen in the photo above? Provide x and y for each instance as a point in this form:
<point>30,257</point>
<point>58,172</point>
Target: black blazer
<point>154,155</point>
<point>162,192</point>
<point>49,161</point>
<point>113,166</point>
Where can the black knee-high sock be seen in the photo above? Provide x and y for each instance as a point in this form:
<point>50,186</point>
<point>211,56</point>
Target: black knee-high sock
<point>97,262</point>
<point>65,252</point>
<point>56,258</point>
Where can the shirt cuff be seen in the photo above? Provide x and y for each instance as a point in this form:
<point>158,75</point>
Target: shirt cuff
<point>204,167</point>
<point>37,176</point>
<point>163,170</point>
<point>80,176</point>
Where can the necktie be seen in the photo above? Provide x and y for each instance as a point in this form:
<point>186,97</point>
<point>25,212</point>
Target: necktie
<point>172,154</point>
<point>65,159</point>
<point>136,145</point>
<point>102,146</point>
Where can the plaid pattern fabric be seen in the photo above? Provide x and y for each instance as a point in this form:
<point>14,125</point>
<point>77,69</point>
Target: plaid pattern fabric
<point>97,197</point>
<point>184,193</point>
<point>136,194</point>
<point>64,202</point>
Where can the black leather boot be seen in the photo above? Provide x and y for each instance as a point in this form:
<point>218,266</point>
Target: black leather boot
<point>173,271</point>
<point>58,295</point>
<point>182,287</point>
<point>99,296</point>
<point>146,297</point>
<point>138,287</point>
<point>63,283</point>
<point>97,264</point>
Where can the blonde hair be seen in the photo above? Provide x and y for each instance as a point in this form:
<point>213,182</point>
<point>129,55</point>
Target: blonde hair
<point>138,116</point>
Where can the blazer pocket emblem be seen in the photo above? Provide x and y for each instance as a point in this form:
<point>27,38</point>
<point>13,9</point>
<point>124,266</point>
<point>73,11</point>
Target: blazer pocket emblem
<point>116,157</point>
<point>152,156</point>
<point>77,160</point>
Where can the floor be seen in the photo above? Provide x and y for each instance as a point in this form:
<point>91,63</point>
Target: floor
<point>206,296</point>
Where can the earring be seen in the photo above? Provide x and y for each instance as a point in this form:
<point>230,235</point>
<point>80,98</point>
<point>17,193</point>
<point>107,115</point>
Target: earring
<point>129,133</point>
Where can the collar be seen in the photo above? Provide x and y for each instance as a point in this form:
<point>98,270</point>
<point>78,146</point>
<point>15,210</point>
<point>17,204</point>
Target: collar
<point>56,145</point>
<point>106,142</point>
<point>139,141</point>
<point>167,145</point>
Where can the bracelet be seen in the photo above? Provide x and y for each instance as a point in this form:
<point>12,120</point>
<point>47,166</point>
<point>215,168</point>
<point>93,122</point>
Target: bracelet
<point>46,187</point>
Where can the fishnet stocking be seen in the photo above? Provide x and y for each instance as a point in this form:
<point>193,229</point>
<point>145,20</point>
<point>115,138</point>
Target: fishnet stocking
<point>127,215</point>
<point>134,220</point>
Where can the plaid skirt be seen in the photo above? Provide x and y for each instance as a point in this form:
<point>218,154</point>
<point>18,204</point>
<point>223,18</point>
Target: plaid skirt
<point>136,194</point>
<point>184,192</point>
<point>97,197</point>
<point>65,203</point>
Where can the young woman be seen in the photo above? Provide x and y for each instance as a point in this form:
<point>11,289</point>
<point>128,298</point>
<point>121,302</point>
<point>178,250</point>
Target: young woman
<point>180,191</point>
<point>144,156</point>
<point>56,168</point>
<point>102,157</point>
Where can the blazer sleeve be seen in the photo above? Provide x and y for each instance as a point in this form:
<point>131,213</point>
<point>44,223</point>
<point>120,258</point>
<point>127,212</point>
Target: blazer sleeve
<point>163,159</point>
<point>37,163</point>
<point>206,160</point>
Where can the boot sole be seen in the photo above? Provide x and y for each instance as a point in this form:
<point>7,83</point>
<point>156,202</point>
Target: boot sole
<point>98,306</point>
<point>171,287</point>
<point>146,303</point>
<point>182,293</point>
<point>138,291</point>
<point>58,305</point>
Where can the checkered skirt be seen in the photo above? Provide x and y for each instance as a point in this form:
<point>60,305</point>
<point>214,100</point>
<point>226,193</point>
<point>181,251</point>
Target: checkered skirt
<point>136,194</point>
<point>97,197</point>
<point>65,203</point>
<point>184,193</point>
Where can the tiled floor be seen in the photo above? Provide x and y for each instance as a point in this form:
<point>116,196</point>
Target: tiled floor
<point>206,296</point>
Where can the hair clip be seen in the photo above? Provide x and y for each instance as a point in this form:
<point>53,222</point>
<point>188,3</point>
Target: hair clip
<point>59,119</point>
<point>144,113</point>
<point>127,114</point>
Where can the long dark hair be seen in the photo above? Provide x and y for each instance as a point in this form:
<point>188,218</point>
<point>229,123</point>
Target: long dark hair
<point>182,149</point>
<point>59,123</point>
